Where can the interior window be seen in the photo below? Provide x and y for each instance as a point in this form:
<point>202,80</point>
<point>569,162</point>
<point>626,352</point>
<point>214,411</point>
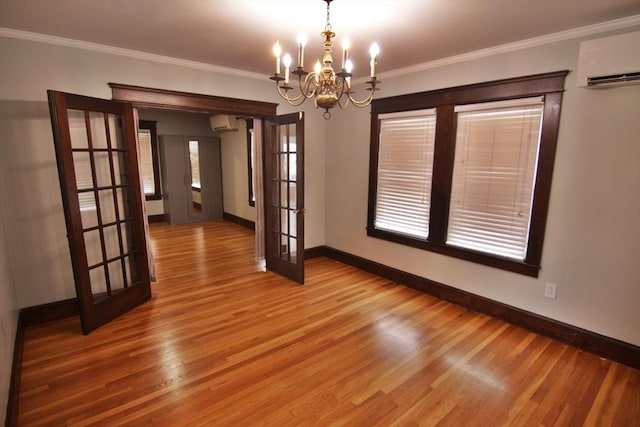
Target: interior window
<point>251,161</point>
<point>194,157</point>
<point>149,159</point>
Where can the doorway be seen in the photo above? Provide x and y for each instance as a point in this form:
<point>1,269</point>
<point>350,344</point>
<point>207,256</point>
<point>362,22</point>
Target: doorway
<point>191,170</point>
<point>157,98</point>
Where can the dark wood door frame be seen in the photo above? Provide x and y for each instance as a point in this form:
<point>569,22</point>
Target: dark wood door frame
<point>145,97</point>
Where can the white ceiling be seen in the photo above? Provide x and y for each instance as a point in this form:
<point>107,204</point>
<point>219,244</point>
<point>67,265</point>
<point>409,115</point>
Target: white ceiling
<point>239,34</point>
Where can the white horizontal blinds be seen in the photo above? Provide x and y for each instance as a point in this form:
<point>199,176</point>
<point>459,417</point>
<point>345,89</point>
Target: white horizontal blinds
<point>84,181</point>
<point>405,166</point>
<point>146,161</point>
<point>493,176</point>
<point>81,160</point>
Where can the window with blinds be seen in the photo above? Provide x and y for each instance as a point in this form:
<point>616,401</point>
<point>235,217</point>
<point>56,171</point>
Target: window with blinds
<point>493,176</point>
<point>251,166</point>
<point>149,159</point>
<point>146,161</point>
<point>405,167</point>
<point>466,171</point>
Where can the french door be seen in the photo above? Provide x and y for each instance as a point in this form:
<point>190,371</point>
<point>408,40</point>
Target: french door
<point>95,143</point>
<point>284,195</point>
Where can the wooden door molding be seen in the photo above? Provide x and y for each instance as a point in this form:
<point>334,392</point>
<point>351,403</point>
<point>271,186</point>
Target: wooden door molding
<point>146,97</point>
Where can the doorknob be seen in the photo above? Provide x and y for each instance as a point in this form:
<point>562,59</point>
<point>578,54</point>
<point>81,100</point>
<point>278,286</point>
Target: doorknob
<point>299,211</point>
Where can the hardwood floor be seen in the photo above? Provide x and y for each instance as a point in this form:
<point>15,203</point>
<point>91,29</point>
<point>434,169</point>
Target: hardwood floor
<point>222,343</point>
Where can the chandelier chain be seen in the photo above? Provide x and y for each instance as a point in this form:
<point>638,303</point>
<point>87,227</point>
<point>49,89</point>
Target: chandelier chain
<point>327,26</point>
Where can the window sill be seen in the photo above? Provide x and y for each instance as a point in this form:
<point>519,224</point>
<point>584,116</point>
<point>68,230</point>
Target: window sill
<point>514,266</point>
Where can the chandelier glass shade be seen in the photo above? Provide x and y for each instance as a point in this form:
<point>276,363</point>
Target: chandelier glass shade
<point>325,86</point>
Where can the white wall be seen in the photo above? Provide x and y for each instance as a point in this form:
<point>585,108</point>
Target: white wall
<point>34,226</point>
<point>8,316</point>
<point>592,243</point>
<point>235,177</point>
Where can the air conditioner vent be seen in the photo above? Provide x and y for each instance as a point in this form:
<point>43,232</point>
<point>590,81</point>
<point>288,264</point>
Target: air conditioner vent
<point>610,61</point>
<point>223,123</point>
<point>615,79</point>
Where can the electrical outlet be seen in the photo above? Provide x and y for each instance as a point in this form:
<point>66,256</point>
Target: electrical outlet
<point>550,290</point>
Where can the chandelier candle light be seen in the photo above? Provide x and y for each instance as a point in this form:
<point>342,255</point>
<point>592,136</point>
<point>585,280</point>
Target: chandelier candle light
<point>327,87</point>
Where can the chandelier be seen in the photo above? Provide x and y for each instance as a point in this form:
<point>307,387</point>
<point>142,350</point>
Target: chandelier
<point>323,84</point>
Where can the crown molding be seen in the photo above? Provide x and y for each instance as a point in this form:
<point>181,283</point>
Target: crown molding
<point>589,30</point>
<point>136,54</point>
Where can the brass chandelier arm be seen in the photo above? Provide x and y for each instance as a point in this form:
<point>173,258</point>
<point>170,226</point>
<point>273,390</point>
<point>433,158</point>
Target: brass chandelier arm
<point>304,87</point>
<point>362,103</point>
<point>349,98</point>
<point>296,101</point>
<point>308,88</point>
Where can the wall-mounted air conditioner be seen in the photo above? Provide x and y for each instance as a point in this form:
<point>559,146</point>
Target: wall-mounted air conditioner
<point>223,123</point>
<point>610,61</point>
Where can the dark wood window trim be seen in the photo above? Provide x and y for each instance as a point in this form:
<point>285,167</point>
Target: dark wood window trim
<point>249,163</point>
<point>549,85</point>
<point>155,158</point>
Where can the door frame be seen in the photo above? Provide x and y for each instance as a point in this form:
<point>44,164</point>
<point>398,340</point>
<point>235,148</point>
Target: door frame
<point>146,97</point>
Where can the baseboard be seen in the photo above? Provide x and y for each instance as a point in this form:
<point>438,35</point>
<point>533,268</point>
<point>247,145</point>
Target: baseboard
<point>240,221</point>
<point>48,312</point>
<point>31,316</point>
<point>315,252</point>
<point>156,218</point>
<point>13,400</point>
<point>583,339</point>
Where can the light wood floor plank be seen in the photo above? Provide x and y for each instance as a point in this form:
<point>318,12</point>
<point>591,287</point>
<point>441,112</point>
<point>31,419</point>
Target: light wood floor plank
<point>223,343</point>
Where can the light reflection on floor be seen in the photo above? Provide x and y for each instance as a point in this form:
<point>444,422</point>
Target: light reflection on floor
<point>401,338</point>
<point>475,371</point>
<point>172,365</point>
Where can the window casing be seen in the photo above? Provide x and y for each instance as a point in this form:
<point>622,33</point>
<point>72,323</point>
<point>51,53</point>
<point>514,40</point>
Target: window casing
<point>194,161</point>
<point>482,186</point>
<point>149,159</point>
<point>250,162</point>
